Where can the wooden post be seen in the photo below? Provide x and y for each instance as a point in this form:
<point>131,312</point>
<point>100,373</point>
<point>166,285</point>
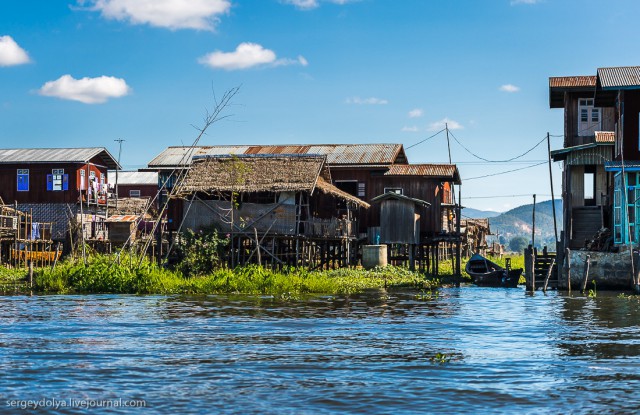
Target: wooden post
<point>533,228</point>
<point>255,233</point>
<point>636,271</point>
<point>586,274</point>
<point>568,259</point>
<point>55,258</point>
<point>31,273</point>
<point>546,280</point>
<point>528,271</point>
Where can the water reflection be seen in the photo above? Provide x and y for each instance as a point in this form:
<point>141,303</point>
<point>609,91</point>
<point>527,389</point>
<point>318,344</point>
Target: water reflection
<point>461,350</point>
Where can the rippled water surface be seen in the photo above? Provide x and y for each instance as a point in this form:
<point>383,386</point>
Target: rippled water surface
<point>466,350</point>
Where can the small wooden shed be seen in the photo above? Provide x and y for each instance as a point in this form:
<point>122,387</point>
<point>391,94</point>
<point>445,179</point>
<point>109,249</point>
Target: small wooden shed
<point>399,218</point>
<point>122,228</point>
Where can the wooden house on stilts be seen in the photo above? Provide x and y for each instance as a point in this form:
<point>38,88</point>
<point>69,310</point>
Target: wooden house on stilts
<point>278,210</point>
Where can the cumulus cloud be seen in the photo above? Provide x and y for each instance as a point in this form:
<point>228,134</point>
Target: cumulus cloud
<point>412,129</point>
<point>439,125</point>
<point>366,101</point>
<point>245,56</point>
<point>416,113</point>
<point>172,14</point>
<point>514,2</point>
<point>509,88</point>
<point>312,4</point>
<point>86,90</point>
<point>11,53</point>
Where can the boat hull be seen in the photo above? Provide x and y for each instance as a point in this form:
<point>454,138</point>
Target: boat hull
<point>489,274</point>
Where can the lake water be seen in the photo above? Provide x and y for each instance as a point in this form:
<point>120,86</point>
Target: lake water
<point>465,351</point>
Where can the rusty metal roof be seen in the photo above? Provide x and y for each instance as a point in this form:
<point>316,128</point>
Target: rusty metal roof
<point>558,85</point>
<point>336,154</point>
<point>133,177</point>
<point>445,171</point>
<point>572,81</point>
<point>605,137</point>
<point>57,155</point>
<point>622,77</point>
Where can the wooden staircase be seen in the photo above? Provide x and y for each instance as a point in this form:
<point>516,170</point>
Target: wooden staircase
<point>586,221</point>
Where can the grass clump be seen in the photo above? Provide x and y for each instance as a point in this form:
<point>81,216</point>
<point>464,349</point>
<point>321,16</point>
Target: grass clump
<point>105,274</point>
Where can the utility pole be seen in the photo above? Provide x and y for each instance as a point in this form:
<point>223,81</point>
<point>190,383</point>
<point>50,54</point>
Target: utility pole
<point>119,141</point>
<point>446,127</point>
<point>553,199</point>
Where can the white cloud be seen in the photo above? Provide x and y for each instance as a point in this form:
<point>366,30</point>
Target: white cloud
<point>87,90</point>
<point>366,101</point>
<point>412,129</point>
<point>245,56</point>
<point>312,4</point>
<point>11,53</point>
<point>514,2</point>
<point>416,113</point>
<point>172,14</point>
<point>303,4</point>
<point>439,125</point>
<point>509,88</point>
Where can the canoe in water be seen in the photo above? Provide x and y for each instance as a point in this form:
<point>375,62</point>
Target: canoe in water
<point>486,273</point>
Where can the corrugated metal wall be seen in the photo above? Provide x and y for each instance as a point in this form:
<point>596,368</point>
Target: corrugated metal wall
<point>398,222</point>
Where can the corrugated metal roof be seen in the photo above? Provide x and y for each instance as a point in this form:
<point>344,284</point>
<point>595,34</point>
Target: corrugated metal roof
<point>605,137</point>
<point>572,81</point>
<point>617,165</point>
<point>619,77</point>
<point>337,154</point>
<point>133,177</point>
<point>429,170</point>
<point>56,155</point>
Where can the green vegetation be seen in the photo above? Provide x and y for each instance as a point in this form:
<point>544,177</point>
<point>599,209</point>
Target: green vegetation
<point>122,275</point>
<point>103,274</point>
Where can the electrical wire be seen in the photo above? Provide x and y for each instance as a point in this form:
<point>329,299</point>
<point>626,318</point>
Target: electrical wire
<point>496,161</point>
<point>426,139</point>
<point>503,196</point>
<point>505,172</point>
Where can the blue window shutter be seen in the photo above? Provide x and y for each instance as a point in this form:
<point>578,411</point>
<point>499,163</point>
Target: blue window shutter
<point>49,181</point>
<point>23,183</point>
<point>65,182</point>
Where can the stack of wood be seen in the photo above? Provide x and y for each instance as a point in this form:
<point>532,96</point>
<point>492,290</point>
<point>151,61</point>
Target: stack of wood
<point>601,241</point>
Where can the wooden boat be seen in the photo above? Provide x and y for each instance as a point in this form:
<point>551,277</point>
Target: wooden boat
<point>486,273</point>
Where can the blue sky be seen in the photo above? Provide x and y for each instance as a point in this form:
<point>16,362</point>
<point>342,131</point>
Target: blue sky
<point>84,73</point>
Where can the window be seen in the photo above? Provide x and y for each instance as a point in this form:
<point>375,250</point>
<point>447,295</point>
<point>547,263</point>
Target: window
<point>134,193</point>
<point>23,180</point>
<point>361,192</point>
<point>397,190</point>
<point>57,180</point>
<point>589,117</point>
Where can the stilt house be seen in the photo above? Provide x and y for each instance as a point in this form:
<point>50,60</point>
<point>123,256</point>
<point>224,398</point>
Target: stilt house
<point>601,173</point>
<point>281,208</point>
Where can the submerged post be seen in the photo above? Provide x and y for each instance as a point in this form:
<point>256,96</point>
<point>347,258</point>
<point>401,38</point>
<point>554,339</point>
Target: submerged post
<point>586,274</point>
<point>528,269</point>
<point>568,259</point>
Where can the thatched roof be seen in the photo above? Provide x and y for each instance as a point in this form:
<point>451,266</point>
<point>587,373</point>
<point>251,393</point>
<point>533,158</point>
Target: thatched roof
<point>130,206</point>
<point>261,173</point>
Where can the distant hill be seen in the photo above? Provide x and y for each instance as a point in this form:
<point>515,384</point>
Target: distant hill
<point>478,214</point>
<point>518,222</point>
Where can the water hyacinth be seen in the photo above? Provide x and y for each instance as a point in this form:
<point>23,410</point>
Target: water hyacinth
<point>105,274</point>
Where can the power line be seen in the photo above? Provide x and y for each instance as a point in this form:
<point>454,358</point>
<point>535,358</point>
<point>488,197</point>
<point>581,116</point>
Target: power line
<point>501,196</point>
<point>426,139</point>
<point>497,161</point>
<point>505,172</point>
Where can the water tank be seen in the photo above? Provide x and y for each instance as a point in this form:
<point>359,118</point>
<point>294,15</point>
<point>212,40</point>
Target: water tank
<point>374,256</point>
